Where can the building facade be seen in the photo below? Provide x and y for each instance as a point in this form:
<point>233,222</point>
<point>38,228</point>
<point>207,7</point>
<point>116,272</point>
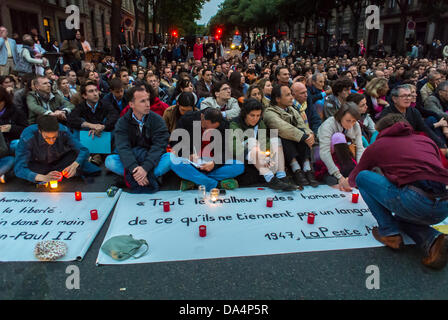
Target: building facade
<point>48,17</point>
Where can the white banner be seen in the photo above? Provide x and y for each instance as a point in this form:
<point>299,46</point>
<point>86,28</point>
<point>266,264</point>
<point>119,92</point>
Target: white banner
<point>28,218</point>
<point>240,224</point>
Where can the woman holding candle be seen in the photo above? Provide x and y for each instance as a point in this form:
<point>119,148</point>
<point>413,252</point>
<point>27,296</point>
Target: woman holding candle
<point>257,150</point>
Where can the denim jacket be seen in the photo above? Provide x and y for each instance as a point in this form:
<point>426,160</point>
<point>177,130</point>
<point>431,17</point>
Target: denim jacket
<point>32,147</point>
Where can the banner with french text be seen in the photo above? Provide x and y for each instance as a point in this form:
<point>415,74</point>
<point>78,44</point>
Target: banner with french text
<point>240,223</point>
<point>27,218</point>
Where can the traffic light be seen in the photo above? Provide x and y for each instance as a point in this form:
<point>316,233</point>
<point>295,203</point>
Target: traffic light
<point>219,31</point>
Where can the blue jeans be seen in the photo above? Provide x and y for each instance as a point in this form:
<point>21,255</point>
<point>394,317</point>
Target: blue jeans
<point>185,170</point>
<point>414,213</point>
<point>114,164</point>
<point>6,164</point>
<point>366,143</point>
<point>13,145</point>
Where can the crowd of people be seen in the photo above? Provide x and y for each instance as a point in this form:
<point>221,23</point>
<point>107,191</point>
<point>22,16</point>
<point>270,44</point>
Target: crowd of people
<point>376,123</point>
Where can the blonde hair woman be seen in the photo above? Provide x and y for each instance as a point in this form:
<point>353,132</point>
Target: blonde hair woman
<point>376,91</point>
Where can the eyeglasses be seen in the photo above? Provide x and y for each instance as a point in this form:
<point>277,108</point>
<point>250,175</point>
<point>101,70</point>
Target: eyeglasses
<point>405,96</point>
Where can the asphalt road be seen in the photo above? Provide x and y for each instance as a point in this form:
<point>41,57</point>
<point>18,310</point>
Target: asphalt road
<point>303,276</point>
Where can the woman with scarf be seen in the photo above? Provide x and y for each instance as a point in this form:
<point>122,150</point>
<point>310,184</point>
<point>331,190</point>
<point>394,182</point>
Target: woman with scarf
<point>262,156</point>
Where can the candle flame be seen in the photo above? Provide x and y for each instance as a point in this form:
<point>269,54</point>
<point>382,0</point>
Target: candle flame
<point>53,184</point>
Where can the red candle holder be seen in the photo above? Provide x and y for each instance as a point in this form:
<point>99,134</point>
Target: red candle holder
<point>311,217</point>
<point>269,202</point>
<point>166,206</point>
<point>94,214</point>
<point>202,231</point>
<point>355,196</point>
<point>78,196</point>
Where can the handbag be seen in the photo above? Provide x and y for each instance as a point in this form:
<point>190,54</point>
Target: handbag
<point>124,247</point>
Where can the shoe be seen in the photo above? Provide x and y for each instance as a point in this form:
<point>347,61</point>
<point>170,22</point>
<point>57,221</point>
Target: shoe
<point>229,184</point>
<point>312,179</point>
<point>438,254</point>
<point>278,184</point>
<point>96,160</point>
<point>186,185</point>
<point>300,179</point>
<point>393,242</point>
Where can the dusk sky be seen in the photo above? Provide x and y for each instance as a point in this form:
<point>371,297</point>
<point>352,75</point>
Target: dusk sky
<point>209,10</point>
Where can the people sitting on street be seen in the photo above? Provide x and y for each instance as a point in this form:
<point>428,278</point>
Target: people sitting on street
<point>262,155</point>
<point>296,137</point>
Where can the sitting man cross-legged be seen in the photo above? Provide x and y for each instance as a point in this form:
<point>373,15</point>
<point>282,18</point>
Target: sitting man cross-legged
<point>296,136</point>
<point>201,164</point>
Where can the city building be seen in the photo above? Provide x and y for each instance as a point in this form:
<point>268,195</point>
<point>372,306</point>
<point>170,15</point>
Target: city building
<point>48,17</point>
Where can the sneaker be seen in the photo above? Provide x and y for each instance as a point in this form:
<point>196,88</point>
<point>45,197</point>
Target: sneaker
<point>287,180</point>
<point>300,179</point>
<point>186,185</point>
<point>278,184</point>
<point>438,254</point>
<point>393,242</point>
<point>311,179</point>
<point>229,184</point>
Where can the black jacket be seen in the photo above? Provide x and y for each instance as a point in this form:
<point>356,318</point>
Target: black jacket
<point>110,100</point>
<point>154,137</point>
<point>415,119</point>
<point>104,114</point>
<point>16,119</point>
<point>186,122</point>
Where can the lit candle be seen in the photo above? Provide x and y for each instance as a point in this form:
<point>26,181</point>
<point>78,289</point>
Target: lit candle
<point>267,153</point>
<point>214,193</point>
<point>355,196</point>
<point>311,218</point>
<point>269,202</point>
<point>202,231</point>
<point>78,196</point>
<point>94,214</point>
<point>166,206</point>
<point>53,184</point>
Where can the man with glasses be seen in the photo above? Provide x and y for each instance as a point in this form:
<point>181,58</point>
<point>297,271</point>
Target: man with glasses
<point>221,99</point>
<point>402,98</point>
<point>47,151</point>
<point>43,101</point>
